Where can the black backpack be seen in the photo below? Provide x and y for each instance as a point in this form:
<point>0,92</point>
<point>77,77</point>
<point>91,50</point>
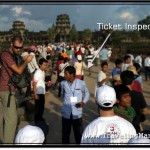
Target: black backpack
<point>18,81</point>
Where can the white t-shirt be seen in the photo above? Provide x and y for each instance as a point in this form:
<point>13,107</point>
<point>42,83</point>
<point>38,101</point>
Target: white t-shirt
<point>79,67</point>
<point>147,62</point>
<point>109,53</point>
<point>39,77</point>
<point>62,67</point>
<point>101,76</point>
<point>138,59</point>
<point>112,129</point>
<point>124,67</point>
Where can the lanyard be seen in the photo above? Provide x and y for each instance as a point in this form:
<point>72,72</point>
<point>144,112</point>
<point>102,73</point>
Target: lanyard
<point>74,88</point>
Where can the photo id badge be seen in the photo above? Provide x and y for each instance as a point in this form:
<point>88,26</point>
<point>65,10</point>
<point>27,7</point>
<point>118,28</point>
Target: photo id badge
<point>73,100</point>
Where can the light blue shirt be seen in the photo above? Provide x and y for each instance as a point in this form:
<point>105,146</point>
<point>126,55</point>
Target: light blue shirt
<point>104,54</point>
<point>76,89</point>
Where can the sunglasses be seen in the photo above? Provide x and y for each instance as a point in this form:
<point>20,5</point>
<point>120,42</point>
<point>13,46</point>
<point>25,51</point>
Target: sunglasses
<point>17,47</point>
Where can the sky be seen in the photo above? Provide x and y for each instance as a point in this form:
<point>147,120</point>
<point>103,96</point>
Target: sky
<point>39,17</point>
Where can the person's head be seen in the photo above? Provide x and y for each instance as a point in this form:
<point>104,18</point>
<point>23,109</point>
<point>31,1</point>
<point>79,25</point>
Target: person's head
<point>79,58</point>
<point>16,44</point>
<point>42,64</point>
<point>140,54</point>
<point>30,135</point>
<point>123,96</point>
<point>148,55</point>
<point>128,77</point>
<point>116,80</point>
<point>118,63</point>
<point>127,59</point>
<point>104,66</point>
<point>70,73</point>
<point>65,60</point>
<point>105,97</point>
<point>48,57</point>
<point>32,48</point>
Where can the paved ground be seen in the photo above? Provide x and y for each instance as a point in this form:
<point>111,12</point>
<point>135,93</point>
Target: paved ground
<point>53,109</point>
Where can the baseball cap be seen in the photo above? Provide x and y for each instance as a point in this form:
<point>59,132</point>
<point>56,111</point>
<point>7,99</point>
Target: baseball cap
<point>106,96</point>
<point>133,69</point>
<point>116,77</point>
<point>79,57</point>
<point>29,135</point>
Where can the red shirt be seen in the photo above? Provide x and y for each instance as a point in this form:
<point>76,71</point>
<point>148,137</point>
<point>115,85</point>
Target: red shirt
<point>136,86</point>
<point>8,61</point>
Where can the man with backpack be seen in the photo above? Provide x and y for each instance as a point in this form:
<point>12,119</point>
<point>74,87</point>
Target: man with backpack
<point>8,68</point>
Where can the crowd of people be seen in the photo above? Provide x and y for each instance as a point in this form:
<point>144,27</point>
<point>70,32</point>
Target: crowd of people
<point>118,96</point>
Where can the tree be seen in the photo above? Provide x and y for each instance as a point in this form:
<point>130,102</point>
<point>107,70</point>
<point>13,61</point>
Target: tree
<point>73,34</point>
<point>145,21</point>
<point>87,35</point>
<point>51,33</point>
<point>135,35</point>
<point>116,38</point>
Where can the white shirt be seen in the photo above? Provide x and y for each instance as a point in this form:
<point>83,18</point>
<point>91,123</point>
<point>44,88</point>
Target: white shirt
<point>79,67</point>
<point>82,50</point>
<point>39,77</point>
<point>147,62</point>
<point>124,66</point>
<point>132,58</point>
<point>62,67</point>
<point>138,59</point>
<point>109,53</point>
<point>114,128</point>
<point>101,76</point>
<point>31,65</point>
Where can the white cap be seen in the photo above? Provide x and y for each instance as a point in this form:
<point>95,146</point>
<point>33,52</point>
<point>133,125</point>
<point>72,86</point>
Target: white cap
<point>138,140</point>
<point>79,57</point>
<point>29,135</point>
<point>106,94</point>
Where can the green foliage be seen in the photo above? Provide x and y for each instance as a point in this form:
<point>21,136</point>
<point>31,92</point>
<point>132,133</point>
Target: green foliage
<point>87,35</point>
<point>73,34</point>
<point>145,21</point>
<point>51,33</point>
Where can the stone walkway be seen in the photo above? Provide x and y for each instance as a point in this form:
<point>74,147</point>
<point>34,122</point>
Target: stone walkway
<point>53,105</point>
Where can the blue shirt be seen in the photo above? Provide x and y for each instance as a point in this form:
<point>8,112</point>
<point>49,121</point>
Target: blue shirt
<point>76,89</point>
<point>116,71</point>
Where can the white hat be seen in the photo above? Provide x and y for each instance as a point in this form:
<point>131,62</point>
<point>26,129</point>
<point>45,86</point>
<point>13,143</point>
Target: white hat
<point>30,134</point>
<point>79,57</point>
<point>106,94</point>
<point>138,140</point>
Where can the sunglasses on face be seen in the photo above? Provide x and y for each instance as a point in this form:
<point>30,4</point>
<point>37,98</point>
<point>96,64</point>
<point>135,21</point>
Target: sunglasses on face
<point>17,47</point>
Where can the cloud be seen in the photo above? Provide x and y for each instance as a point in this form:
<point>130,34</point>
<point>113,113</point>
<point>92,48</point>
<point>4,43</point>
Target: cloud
<point>34,25</point>
<point>18,10</point>
<point>128,16</point>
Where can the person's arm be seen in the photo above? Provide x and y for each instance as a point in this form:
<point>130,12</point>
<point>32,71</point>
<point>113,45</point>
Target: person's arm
<point>36,97</point>
<point>20,69</point>
<point>86,94</point>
